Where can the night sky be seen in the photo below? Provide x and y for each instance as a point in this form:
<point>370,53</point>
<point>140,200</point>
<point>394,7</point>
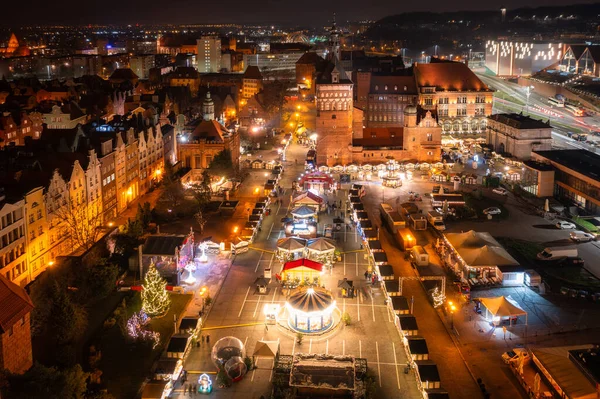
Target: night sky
<point>285,12</point>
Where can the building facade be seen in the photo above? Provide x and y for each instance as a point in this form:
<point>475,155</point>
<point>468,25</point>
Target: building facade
<point>186,76</point>
<point>13,254</point>
<point>209,54</point>
<point>251,82</point>
<point>518,135</point>
<point>141,65</point>
<point>507,58</point>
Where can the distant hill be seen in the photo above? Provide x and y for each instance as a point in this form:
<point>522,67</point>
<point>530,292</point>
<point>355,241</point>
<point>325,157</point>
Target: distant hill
<point>420,27</point>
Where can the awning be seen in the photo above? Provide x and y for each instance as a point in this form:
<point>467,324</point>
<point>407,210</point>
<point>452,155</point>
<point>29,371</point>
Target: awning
<point>266,349</point>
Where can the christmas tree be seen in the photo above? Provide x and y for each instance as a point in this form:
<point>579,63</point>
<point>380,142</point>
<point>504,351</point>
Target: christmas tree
<point>438,298</point>
<point>155,299</point>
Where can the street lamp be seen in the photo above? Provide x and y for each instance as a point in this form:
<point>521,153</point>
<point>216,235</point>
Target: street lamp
<point>452,309</point>
<point>528,90</point>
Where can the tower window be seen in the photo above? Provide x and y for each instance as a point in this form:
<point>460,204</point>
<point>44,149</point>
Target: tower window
<point>385,88</point>
<point>376,87</point>
<point>395,87</point>
<point>332,116</point>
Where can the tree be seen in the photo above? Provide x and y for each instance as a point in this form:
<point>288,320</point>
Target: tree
<point>41,382</point>
<point>66,319</point>
<point>273,96</point>
<point>144,215</point>
<point>100,279</point>
<point>201,220</point>
<point>155,298</point>
<point>82,222</point>
<point>201,193</point>
<point>173,192</point>
<point>221,162</point>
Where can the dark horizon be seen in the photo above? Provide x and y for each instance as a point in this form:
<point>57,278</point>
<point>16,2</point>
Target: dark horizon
<point>276,12</point>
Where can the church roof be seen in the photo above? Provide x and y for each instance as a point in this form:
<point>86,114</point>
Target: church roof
<point>310,58</point>
<point>123,74</point>
<point>380,137</point>
<point>325,75</point>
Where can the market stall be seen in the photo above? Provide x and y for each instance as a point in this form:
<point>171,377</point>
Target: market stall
<point>304,212</point>
<point>318,182</point>
<point>290,248</point>
<point>502,308</point>
<point>321,249</point>
<point>303,269</point>
<point>309,199</point>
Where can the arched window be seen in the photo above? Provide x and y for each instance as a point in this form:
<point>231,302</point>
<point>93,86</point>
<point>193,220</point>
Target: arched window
<point>456,126</point>
<point>483,124</point>
<point>465,126</point>
<point>396,88</point>
<point>447,126</point>
<point>385,88</point>
<point>376,87</point>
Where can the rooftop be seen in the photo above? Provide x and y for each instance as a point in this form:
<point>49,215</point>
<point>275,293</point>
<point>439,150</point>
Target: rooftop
<point>428,370</point>
<point>520,121</point>
<point>581,161</point>
<point>15,304</point>
<point>252,72</point>
<point>328,372</point>
<point>162,244</point>
<point>399,303</point>
<point>417,345</point>
<point>446,75</point>
<point>408,322</point>
<point>178,343</point>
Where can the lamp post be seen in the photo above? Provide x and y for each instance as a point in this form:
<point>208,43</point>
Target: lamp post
<point>452,310</point>
<point>528,90</point>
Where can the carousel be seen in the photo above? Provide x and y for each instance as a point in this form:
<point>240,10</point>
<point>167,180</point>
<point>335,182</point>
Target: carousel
<point>310,310</point>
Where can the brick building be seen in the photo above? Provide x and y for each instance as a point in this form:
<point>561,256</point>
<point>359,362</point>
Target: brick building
<point>15,333</point>
<point>518,135</point>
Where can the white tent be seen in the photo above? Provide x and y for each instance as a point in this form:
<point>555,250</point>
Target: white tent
<point>320,245</point>
<point>303,211</point>
<point>266,349</point>
<point>291,244</point>
<point>502,307</point>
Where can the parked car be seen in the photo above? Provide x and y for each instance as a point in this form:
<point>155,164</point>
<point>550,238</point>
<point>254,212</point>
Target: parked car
<point>492,211</point>
<point>563,224</point>
<point>515,354</point>
<point>580,236</point>
<point>500,191</point>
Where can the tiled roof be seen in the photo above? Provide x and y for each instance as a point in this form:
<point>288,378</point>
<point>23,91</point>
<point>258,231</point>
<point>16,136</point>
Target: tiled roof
<point>380,137</point>
<point>391,84</point>
<point>185,73</point>
<point>124,74</point>
<point>451,76</point>
<point>15,304</point>
<point>210,131</point>
<point>310,58</point>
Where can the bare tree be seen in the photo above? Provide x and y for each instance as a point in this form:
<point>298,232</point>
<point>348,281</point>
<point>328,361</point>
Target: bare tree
<point>82,222</point>
<point>201,220</point>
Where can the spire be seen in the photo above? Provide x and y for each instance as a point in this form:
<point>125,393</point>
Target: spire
<point>208,108</point>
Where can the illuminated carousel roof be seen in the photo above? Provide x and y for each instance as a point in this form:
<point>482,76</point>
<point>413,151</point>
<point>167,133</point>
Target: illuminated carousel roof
<point>311,300</point>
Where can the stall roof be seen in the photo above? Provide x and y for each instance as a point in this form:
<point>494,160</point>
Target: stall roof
<point>566,374</point>
<point>229,204</point>
<point>291,244</point>
<point>392,286</point>
<point>162,244</point>
<point>428,371</point>
<point>303,211</point>
<point>314,371</point>
<point>321,244</point>
<point>166,365</point>
<point>266,348</point>
<point>311,264</point>
<point>417,345</point>
<point>370,234</point>
<point>386,270</point>
<point>178,343</point>
<point>154,390</point>
<point>362,215</point>
<point>408,322</point>
<point>399,303</point>
<point>375,244</point>
<point>437,393</point>
<point>189,322</point>
<point>502,307</point>
<point>380,257</point>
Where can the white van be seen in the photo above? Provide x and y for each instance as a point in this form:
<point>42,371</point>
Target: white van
<point>419,256</point>
<point>556,253</point>
<point>436,220</point>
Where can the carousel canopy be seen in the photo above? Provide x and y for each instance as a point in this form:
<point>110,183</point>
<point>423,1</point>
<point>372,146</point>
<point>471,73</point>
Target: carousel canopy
<point>311,300</point>
<point>303,211</point>
<point>308,198</point>
<point>291,244</point>
<point>502,307</point>
<point>321,244</point>
<point>303,263</point>
<point>480,249</point>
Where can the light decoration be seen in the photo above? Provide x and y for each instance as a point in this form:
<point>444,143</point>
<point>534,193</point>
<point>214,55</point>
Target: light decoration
<point>155,298</point>
<point>190,268</point>
<point>438,297</point>
<point>136,329</point>
<point>203,247</point>
<point>204,384</point>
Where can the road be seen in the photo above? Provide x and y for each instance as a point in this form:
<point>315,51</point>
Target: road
<point>537,106</point>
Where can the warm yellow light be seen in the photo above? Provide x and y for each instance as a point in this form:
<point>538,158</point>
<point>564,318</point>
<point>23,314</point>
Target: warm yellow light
<point>130,192</point>
<point>50,263</point>
<point>298,107</point>
<point>158,172</point>
<point>450,303</point>
<point>235,229</point>
<point>110,224</point>
<point>452,308</point>
<point>291,124</point>
<point>256,190</point>
<point>297,114</point>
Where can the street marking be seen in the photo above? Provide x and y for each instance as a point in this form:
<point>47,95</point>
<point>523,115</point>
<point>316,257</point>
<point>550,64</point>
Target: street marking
<point>274,292</point>
<point>270,262</point>
<point>327,347</point>
<point>359,348</point>
<point>256,309</point>
<point>245,341</point>
<point>233,326</point>
<point>373,307</point>
<point>378,364</point>
<point>243,303</point>
<point>255,367</point>
<point>396,367</point>
<point>343,347</point>
<point>270,230</point>
<point>310,346</point>
<point>259,259</point>
<point>344,306</point>
<point>356,255</point>
<point>358,304</point>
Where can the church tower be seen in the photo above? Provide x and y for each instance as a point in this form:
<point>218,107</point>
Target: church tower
<point>208,108</point>
<point>334,48</point>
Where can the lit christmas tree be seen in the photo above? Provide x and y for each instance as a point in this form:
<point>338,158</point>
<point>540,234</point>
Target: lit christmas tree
<point>155,299</point>
<point>438,297</point>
